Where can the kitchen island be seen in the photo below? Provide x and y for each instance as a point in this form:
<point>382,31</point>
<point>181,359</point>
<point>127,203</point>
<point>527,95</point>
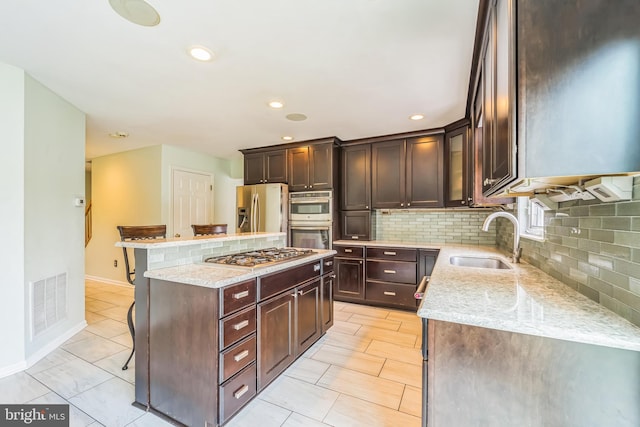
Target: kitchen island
<point>209,337</point>
<point>517,347</point>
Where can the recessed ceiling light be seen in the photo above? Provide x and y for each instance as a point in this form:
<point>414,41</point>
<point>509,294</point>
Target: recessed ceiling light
<point>119,135</point>
<point>276,104</point>
<point>137,11</point>
<point>200,53</point>
<point>287,138</point>
<point>296,117</point>
<point>416,117</point>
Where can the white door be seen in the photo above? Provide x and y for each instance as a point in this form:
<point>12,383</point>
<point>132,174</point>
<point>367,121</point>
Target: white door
<point>192,195</point>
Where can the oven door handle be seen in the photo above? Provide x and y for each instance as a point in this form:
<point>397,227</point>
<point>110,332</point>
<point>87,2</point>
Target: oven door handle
<point>320,227</point>
<point>308,201</point>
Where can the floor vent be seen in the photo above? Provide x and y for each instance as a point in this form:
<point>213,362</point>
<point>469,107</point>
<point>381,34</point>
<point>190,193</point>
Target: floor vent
<point>48,303</point>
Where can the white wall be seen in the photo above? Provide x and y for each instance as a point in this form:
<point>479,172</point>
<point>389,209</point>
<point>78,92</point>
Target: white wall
<point>43,233</point>
<point>54,175</point>
<point>12,224</point>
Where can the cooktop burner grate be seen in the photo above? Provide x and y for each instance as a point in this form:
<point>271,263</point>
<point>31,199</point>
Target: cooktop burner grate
<point>259,257</point>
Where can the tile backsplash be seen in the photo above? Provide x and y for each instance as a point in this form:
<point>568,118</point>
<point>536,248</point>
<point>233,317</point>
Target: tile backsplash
<point>593,247</point>
<point>434,226</point>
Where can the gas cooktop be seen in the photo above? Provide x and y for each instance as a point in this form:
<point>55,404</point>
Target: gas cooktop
<point>259,257</point>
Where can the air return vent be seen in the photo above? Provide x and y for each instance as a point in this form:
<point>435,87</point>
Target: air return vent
<point>48,303</point>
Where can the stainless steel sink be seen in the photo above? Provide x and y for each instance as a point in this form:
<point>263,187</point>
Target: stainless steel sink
<point>479,262</point>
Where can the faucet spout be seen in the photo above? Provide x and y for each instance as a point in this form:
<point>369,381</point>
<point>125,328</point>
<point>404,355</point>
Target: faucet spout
<point>517,252</point>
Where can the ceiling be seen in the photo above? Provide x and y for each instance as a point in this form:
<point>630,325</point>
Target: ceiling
<point>355,68</point>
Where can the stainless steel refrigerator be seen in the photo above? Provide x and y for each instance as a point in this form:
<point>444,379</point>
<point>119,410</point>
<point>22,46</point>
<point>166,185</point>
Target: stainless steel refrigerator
<point>261,207</point>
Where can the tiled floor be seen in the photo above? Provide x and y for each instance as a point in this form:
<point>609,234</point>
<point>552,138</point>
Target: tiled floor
<point>364,372</point>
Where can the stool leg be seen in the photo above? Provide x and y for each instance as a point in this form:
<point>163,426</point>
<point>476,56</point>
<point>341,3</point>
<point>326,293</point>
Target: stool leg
<point>133,335</point>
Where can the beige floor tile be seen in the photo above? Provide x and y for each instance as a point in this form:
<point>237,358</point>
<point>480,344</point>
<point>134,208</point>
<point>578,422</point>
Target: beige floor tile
<point>315,347</point>
<point>94,348</point>
<point>419,342</point>
<point>97,305</point>
<point>412,401</point>
<point>306,369</point>
<point>297,420</point>
<point>20,388</point>
<point>404,316</point>
<point>400,338</point>
<point>259,413</point>
<point>352,412</point>
<point>73,377</point>
<point>55,358</point>
<point>372,389</point>
<point>107,328</point>
<point>344,327</point>
<point>352,342</point>
<point>92,317</point>
<point>366,310</point>
<point>375,322</point>
<point>113,364</point>
<point>396,352</point>
<point>402,372</point>
<point>109,402</point>
<point>149,420</point>
<point>341,315</point>
<point>339,305</point>
<point>350,359</point>
<point>114,298</point>
<point>83,334</point>
<point>116,312</point>
<point>77,418</point>
<point>304,398</point>
<point>123,339</point>
<point>410,328</point>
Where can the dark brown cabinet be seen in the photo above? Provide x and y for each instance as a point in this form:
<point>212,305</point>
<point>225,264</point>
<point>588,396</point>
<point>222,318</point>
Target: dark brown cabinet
<point>356,225</point>
<point>312,167</point>
<point>407,173</point>
<point>349,270</point>
<point>458,167</point>
<point>308,315</point>
<point>391,277</point>
<point>356,178</point>
<point>265,167</point>
<point>326,293</point>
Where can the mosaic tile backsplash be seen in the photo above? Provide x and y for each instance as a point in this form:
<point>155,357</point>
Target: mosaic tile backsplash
<point>593,247</point>
<point>434,226</point>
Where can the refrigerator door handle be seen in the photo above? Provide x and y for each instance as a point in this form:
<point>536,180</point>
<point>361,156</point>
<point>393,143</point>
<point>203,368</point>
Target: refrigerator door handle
<point>253,212</point>
<point>257,227</point>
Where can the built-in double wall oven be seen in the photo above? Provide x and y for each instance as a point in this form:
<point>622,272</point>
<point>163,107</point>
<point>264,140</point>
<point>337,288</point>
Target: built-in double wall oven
<point>311,219</point>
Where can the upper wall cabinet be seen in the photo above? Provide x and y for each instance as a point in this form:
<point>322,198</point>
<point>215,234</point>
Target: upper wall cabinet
<point>265,167</point>
<point>407,173</point>
<point>573,83</point>
<point>356,177</point>
<point>312,167</point>
<point>458,167</point>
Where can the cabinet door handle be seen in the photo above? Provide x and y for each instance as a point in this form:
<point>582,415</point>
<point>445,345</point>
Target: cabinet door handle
<point>360,262</point>
<point>241,391</point>
<point>391,294</point>
<point>333,276</point>
<point>241,325</point>
<point>389,253</point>
<point>329,263</point>
<point>316,267</point>
<point>238,357</point>
<point>240,295</point>
<point>366,207</point>
<point>348,251</point>
<point>300,292</point>
<point>390,271</point>
<point>401,204</point>
<point>408,204</point>
<point>488,181</point>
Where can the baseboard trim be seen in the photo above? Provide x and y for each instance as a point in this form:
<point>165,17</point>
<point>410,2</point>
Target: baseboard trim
<point>43,352</point>
<point>107,281</point>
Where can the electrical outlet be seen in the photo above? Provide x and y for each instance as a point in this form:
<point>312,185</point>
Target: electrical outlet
<point>115,262</point>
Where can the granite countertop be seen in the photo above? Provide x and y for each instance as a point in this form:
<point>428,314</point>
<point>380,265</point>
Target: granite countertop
<point>184,241</point>
<point>523,299</point>
<point>217,276</point>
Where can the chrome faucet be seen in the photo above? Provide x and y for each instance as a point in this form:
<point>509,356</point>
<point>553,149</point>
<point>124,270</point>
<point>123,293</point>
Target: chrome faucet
<point>517,251</point>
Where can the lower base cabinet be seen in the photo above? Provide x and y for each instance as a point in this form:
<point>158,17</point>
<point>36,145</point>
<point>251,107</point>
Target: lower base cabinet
<point>276,337</point>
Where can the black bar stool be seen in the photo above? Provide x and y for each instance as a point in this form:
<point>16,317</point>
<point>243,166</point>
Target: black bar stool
<point>128,233</point>
<point>208,229</point>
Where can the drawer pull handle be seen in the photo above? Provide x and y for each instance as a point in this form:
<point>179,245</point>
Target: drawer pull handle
<point>328,263</point>
<point>348,250</point>
<point>390,271</point>
<point>391,294</point>
<point>238,357</point>
<point>355,237</point>
<point>389,253</point>
<point>241,391</point>
<point>316,267</point>
<point>241,325</point>
<point>240,295</point>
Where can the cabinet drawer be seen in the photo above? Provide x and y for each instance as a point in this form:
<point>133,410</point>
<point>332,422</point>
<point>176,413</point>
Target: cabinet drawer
<point>236,297</point>
<point>237,392</point>
<point>237,326</point>
<point>391,271</point>
<point>349,251</point>
<point>275,283</point>
<point>327,265</point>
<point>391,294</point>
<point>393,254</point>
<point>235,358</point>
